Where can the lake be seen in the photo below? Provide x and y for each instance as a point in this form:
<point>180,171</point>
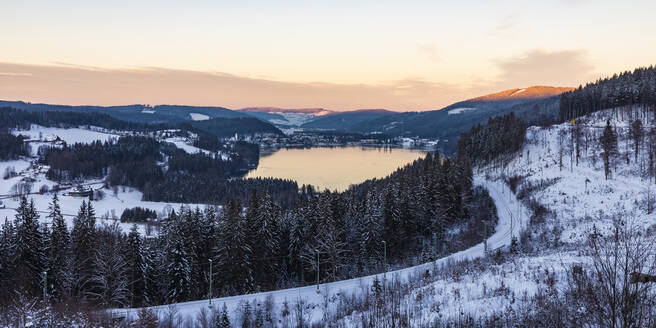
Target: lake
<point>335,168</point>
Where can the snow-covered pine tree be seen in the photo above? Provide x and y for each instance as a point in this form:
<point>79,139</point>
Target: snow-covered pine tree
<point>178,271</point>
<point>30,249</point>
<point>154,270</point>
<point>7,262</point>
<point>265,241</point>
<point>83,239</point>
<point>222,319</point>
<point>108,284</point>
<point>392,229</point>
<point>59,255</point>
<point>134,259</point>
<point>233,256</point>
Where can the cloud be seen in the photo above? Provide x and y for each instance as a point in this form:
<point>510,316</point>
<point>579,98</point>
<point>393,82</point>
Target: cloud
<point>76,85</point>
<point>542,67</point>
<point>15,74</point>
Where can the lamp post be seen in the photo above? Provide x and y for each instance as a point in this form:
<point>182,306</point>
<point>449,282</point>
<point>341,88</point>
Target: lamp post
<point>318,266</point>
<point>384,263</point>
<point>45,286</point>
<point>210,282</point>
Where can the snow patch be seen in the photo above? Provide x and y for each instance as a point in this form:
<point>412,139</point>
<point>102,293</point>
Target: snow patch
<point>460,110</point>
<point>199,117</point>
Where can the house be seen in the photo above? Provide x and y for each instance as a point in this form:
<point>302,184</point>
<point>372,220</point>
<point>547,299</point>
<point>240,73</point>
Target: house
<point>80,191</point>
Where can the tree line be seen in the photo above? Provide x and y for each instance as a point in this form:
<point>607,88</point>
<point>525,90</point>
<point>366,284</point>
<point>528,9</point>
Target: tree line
<point>12,147</point>
<point>501,136</point>
<point>626,89</point>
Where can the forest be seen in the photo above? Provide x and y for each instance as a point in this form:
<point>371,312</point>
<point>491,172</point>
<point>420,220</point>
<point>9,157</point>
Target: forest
<point>186,178</point>
<point>12,147</point>
<point>422,211</point>
<point>623,90</point>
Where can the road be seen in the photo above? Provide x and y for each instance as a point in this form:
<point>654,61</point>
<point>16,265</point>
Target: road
<point>512,217</point>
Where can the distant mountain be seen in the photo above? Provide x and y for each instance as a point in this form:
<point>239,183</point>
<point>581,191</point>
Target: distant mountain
<point>535,104</point>
<point>346,120</point>
<point>137,113</point>
<point>286,117</point>
<point>534,92</point>
<point>307,111</point>
<point>215,120</point>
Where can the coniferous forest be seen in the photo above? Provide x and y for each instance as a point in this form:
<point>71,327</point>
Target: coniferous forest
<point>422,211</point>
<point>626,89</point>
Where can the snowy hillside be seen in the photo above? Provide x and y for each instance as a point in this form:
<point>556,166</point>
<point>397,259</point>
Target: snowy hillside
<point>23,172</point>
<point>552,214</point>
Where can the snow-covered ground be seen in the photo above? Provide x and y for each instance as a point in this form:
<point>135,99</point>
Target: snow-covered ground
<point>577,198</point>
<point>70,136</point>
<point>294,119</point>
<point>512,216</point>
<point>198,117</point>
<point>460,110</point>
<point>112,205</point>
<point>182,144</point>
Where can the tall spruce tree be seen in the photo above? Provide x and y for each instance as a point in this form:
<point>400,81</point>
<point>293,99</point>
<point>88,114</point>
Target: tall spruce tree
<point>608,142</point>
<point>59,276</point>
<point>233,256</point>
<point>83,244</point>
<point>30,248</point>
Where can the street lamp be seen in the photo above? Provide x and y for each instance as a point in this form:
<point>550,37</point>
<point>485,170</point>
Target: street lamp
<point>210,282</point>
<point>45,285</point>
<point>318,266</point>
<point>384,263</point>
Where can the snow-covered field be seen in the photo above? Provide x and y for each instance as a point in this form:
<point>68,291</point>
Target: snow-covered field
<point>70,136</point>
<point>182,144</point>
<point>113,203</point>
<point>198,117</point>
<point>460,110</point>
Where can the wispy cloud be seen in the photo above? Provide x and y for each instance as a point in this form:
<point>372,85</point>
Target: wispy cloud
<point>538,66</point>
<point>15,74</point>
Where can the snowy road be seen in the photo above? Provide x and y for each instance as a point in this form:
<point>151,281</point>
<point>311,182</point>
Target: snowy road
<point>512,217</point>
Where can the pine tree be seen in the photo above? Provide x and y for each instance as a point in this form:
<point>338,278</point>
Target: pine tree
<point>178,271</point>
<point>264,239</point>
<point>59,252</point>
<point>392,231</point>
<point>222,320</point>
<point>30,248</point>
<point>636,133</point>
<point>609,145</point>
<point>108,283</point>
<point>134,259</point>
<point>83,238</point>
<point>233,255</point>
<point>154,283</point>
<point>8,248</point>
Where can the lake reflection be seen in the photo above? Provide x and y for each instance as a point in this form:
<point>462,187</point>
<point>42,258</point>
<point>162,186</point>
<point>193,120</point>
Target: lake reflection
<point>333,168</point>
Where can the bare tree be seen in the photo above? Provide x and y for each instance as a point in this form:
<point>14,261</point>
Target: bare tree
<point>606,291</point>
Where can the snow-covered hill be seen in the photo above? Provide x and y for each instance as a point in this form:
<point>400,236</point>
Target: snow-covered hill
<point>552,213</point>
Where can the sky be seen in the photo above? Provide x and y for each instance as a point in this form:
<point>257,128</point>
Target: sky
<point>340,55</point>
